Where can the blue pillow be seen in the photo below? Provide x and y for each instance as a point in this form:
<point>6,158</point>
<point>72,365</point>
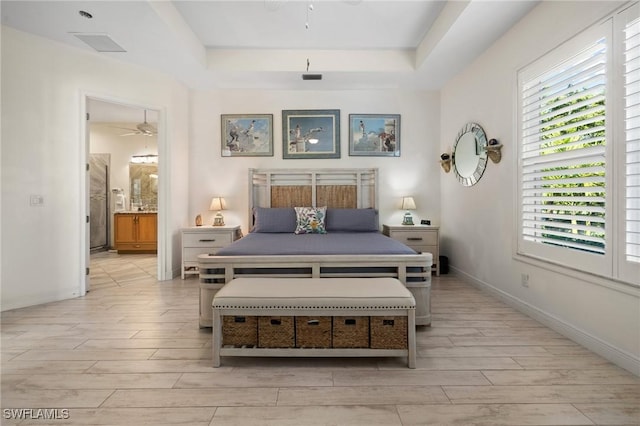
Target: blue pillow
<point>277,219</point>
<point>352,220</point>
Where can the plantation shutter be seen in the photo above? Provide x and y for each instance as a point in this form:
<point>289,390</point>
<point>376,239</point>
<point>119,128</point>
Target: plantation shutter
<point>563,153</point>
<point>632,137</point>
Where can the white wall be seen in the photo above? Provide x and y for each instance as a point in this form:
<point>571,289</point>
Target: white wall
<point>43,89</point>
<point>415,172</point>
<point>477,234</point>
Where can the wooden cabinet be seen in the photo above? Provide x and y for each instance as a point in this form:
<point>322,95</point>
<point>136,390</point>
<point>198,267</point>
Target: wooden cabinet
<point>136,232</point>
<point>204,240</point>
<point>421,238</point>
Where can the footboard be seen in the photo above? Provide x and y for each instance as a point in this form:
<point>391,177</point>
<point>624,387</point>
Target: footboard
<point>414,271</point>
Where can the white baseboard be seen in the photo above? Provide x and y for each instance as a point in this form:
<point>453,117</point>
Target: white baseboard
<point>8,304</point>
<point>615,355</point>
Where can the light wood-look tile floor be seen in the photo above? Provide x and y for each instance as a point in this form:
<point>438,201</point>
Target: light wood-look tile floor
<point>130,353</point>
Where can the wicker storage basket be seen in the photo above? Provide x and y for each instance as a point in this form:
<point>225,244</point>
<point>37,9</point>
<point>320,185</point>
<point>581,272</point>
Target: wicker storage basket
<point>276,332</point>
<point>239,330</point>
<point>350,332</point>
<point>313,332</point>
<point>389,332</point>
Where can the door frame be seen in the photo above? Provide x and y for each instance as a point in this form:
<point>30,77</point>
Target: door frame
<point>163,254</point>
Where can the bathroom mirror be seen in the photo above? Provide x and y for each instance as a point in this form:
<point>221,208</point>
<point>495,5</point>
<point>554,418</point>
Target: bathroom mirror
<point>470,154</point>
<point>143,180</point>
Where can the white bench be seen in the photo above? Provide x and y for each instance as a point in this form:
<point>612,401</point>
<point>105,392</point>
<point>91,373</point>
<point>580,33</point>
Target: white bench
<point>294,297</point>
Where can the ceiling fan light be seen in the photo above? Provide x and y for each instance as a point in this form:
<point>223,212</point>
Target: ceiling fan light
<point>146,128</point>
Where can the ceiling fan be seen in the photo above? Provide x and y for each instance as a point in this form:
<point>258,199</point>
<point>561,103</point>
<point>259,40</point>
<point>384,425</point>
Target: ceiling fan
<point>143,128</point>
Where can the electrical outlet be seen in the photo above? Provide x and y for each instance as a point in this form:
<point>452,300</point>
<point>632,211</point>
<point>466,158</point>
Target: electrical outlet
<point>36,200</point>
<point>524,280</point>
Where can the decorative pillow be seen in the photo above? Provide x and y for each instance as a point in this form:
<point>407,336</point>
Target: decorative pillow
<point>281,219</point>
<point>310,220</point>
<point>352,220</point>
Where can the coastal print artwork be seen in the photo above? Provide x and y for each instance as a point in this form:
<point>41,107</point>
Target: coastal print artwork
<point>247,135</point>
<point>376,135</point>
<point>311,133</point>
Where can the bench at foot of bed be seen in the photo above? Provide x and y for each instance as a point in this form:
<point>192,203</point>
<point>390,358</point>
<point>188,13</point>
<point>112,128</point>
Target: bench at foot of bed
<point>312,317</point>
<point>414,271</point>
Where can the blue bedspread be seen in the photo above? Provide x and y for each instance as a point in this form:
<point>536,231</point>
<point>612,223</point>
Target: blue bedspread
<point>273,244</point>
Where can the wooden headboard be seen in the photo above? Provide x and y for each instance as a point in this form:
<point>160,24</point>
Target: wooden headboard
<point>337,188</point>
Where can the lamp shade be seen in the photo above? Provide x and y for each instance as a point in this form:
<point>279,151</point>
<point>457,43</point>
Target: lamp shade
<point>217,204</point>
<point>408,203</point>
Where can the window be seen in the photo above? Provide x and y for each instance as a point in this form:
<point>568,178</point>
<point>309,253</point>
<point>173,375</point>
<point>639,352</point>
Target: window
<point>631,107</point>
<point>573,196</point>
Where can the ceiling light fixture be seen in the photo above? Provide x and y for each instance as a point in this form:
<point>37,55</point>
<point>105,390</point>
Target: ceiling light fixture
<point>144,159</point>
<point>311,76</point>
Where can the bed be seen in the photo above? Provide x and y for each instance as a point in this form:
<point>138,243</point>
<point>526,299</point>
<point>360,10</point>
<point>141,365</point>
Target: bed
<point>281,242</point>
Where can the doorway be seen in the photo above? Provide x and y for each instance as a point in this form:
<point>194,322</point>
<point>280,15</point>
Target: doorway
<point>117,132</point>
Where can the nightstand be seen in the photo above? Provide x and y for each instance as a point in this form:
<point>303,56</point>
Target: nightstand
<point>198,240</point>
<point>421,238</point>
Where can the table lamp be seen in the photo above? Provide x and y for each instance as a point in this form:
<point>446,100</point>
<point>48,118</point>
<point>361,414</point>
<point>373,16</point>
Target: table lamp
<point>408,204</point>
<point>218,204</point>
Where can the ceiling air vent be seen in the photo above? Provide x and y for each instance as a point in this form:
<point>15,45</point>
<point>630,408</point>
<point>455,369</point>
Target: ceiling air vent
<point>100,42</point>
<point>312,76</point>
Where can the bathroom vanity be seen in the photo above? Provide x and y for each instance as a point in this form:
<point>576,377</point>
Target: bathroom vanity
<point>136,232</point>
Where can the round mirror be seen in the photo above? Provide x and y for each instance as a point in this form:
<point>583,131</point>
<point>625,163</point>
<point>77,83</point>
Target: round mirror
<point>470,154</point>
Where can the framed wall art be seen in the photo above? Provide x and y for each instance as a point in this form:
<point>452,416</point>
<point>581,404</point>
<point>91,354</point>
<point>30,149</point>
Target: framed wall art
<point>247,135</point>
<point>311,133</point>
<point>375,135</point>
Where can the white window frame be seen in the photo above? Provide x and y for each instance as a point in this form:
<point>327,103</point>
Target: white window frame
<point>612,264</point>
